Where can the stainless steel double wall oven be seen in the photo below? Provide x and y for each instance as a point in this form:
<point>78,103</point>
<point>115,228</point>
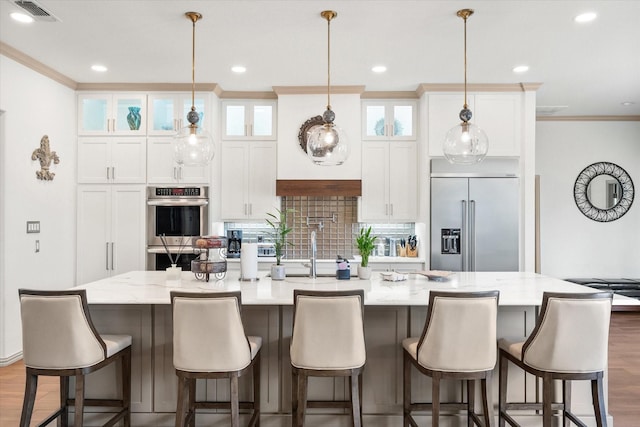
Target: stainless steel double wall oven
<point>178,214</point>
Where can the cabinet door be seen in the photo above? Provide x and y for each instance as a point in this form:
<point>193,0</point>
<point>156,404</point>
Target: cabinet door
<point>127,229</point>
<point>499,116</point>
<point>108,114</point>
<point>385,120</point>
<point>93,233</point>
<point>262,179</point>
<point>374,203</point>
<point>443,114</point>
<point>403,188</point>
<point>128,160</point>
<point>94,160</point>
<point>163,117</point>
<point>161,168</point>
<point>94,114</point>
<point>249,120</point>
<point>129,114</point>
<point>233,182</point>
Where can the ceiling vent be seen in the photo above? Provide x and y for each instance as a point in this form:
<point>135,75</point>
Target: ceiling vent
<point>35,10</point>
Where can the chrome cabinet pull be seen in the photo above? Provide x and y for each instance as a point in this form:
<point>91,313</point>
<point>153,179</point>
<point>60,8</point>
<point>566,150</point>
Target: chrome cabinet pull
<point>113,172</point>
<point>106,253</point>
<point>472,233</point>
<point>391,204</point>
<point>463,236</point>
<point>107,173</point>
<point>112,245</point>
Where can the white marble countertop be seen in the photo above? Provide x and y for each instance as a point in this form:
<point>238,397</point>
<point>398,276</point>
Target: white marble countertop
<point>150,287</point>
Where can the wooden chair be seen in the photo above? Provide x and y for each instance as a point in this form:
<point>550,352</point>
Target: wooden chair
<point>569,342</point>
<point>209,342</point>
<point>458,342</point>
<point>327,341</point>
<point>59,339</point>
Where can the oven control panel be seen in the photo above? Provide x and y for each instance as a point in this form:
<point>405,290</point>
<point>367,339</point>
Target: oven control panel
<point>178,191</point>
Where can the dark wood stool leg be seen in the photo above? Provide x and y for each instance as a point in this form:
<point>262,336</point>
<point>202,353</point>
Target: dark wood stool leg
<point>64,406</point>
<point>30,388</point>
<point>191,387</point>
<point>256,389</point>
<point>235,405</point>
<point>566,400</point>
<point>597,394</point>
<point>435,399</point>
<point>356,413</point>
<point>183,397</point>
<point>79,400</point>
<point>485,403</point>
<point>303,381</point>
<point>502,388</point>
<point>471,402</point>
<point>126,386</point>
<point>294,396</point>
<point>406,389</point>
<point>547,398</point>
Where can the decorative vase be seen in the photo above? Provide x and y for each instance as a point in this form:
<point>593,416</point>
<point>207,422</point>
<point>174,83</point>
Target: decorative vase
<point>277,272</point>
<point>364,273</point>
<point>173,273</point>
<point>133,118</point>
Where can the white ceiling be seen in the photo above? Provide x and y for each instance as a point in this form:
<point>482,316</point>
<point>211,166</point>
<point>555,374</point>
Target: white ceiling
<point>591,68</point>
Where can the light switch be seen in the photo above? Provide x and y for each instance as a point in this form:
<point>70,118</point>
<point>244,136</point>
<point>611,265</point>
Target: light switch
<point>33,226</point>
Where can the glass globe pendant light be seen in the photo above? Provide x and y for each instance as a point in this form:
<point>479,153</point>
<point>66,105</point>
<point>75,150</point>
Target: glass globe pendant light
<point>193,145</point>
<point>465,143</point>
<point>327,144</point>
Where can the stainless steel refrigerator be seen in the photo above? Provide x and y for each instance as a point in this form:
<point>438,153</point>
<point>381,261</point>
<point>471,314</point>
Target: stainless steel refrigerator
<point>475,216</point>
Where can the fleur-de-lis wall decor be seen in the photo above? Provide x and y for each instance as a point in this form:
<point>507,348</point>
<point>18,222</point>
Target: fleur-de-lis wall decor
<point>45,156</point>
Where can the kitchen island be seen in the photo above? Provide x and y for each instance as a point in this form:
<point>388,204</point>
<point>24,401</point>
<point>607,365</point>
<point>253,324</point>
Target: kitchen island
<point>138,303</point>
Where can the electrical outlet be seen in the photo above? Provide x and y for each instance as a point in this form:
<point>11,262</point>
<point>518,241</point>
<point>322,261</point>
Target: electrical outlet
<point>33,226</point>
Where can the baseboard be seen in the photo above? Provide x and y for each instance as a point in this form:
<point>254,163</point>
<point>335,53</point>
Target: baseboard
<point>6,361</point>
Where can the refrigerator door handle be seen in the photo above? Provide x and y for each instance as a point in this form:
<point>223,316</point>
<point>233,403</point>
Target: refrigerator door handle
<point>472,234</point>
<point>463,236</point>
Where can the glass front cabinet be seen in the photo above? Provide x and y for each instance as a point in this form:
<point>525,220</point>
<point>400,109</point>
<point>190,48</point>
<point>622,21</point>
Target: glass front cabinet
<point>112,114</point>
<point>386,120</point>
<point>255,119</point>
<point>168,112</point>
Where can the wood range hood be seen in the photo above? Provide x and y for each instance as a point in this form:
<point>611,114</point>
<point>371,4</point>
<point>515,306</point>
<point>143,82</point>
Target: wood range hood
<point>319,187</point>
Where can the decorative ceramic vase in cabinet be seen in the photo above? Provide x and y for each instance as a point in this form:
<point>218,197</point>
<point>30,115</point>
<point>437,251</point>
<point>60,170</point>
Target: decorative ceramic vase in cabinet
<point>133,118</point>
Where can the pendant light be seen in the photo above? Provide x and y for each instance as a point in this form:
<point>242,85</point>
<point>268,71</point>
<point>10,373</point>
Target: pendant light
<point>193,146</point>
<point>465,143</point>
<point>327,143</point>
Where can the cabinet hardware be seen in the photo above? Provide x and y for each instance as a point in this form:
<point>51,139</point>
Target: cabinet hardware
<point>391,130</point>
<point>112,245</point>
<point>107,173</point>
<point>113,172</point>
<point>245,208</point>
<point>106,253</point>
<point>250,209</point>
<point>391,208</point>
<point>386,209</point>
<point>175,176</point>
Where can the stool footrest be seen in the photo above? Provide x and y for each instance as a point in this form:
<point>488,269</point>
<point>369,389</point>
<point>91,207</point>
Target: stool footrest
<point>202,404</point>
<point>328,404</point>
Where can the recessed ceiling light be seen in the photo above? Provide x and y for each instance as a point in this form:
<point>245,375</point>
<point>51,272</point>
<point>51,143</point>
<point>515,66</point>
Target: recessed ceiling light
<point>520,68</point>
<point>379,69</point>
<point>628,103</point>
<point>99,68</point>
<point>21,17</point>
<point>238,69</point>
<point>585,17</point>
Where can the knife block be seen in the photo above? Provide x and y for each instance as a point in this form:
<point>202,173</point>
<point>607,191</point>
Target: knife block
<point>412,253</point>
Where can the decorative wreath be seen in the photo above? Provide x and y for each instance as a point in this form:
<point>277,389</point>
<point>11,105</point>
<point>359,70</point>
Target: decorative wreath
<point>582,184</point>
<point>306,128</point>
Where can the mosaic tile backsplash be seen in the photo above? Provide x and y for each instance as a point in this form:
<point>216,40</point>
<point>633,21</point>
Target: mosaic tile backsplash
<point>335,220</point>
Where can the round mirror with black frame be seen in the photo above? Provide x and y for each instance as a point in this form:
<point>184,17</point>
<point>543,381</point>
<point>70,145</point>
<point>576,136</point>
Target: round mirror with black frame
<point>603,191</point>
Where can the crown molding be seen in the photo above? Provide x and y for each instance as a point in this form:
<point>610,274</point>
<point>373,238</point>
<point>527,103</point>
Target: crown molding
<point>476,87</point>
<point>389,95</point>
<point>36,66</point>
<point>230,94</point>
<point>317,90</point>
<point>588,118</point>
<point>149,87</point>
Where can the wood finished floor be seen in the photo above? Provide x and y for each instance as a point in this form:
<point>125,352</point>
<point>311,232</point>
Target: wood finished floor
<point>624,379</point>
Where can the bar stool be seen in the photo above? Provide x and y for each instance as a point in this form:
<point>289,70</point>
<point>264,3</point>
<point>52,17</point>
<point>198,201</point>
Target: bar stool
<point>59,339</point>
<point>458,342</point>
<point>327,341</point>
<point>569,342</point>
<point>209,343</point>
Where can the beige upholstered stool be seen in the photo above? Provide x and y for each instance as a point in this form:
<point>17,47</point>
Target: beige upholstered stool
<point>458,342</point>
<point>327,341</point>
<point>209,343</point>
<point>59,339</point>
<point>569,342</point>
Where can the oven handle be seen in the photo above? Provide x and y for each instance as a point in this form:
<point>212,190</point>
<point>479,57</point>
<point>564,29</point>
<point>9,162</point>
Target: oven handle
<point>177,202</point>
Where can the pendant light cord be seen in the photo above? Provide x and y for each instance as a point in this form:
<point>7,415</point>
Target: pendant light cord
<point>465,63</point>
<point>329,64</point>
<point>193,66</point>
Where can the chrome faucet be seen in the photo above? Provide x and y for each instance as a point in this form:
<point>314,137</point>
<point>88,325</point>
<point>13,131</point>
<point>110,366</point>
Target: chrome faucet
<point>314,253</point>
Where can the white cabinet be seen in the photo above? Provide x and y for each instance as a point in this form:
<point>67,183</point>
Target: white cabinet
<point>112,114</point>
<point>110,230</point>
<point>385,120</point>
<point>498,114</point>
<point>111,160</point>
<point>248,180</point>
<point>168,111</point>
<point>249,120</point>
<point>389,181</point>
<point>162,168</point>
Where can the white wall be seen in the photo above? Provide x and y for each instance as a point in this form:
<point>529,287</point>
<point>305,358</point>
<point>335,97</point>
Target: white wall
<point>571,244</point>
<point>34,106</point>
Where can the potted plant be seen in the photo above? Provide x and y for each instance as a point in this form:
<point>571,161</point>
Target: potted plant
<point>366,244</point>
<point>279,231</point>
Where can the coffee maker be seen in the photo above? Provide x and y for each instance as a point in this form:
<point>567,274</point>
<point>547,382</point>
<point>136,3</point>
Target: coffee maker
<point>234,245</point>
